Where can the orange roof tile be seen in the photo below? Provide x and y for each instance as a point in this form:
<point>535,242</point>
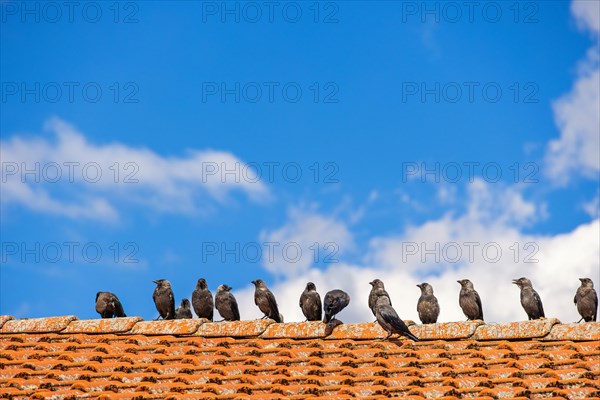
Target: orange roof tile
<point>62,357</point>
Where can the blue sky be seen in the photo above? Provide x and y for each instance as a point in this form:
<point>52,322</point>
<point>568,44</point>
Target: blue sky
<point>358,97</point>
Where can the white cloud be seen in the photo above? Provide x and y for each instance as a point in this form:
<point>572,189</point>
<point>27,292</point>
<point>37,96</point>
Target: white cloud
<point>95,177</point>
<point>306,237</point>
<point>555,263</point>
<point>587,14</point>
<point>577,113</point>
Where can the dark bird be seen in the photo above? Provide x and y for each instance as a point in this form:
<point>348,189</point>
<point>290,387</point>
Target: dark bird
<point>530,300</point>
<point>334,302</point>
<point>202,300</point>
<point>226,304</point>
<point>377,291</point>
<point>427,306</point>
<point>108,305</point>
<point>310,303</point>
<point>184,311</point>
<point>586,300</point>
<point>265,300</point>
<point>469,301</point>
<point>164,299</point>
<point>390,321</point>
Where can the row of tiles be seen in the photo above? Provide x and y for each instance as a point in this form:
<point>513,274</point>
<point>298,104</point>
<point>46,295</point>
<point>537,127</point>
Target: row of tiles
<point>548,329</point>
<point>192,366</point>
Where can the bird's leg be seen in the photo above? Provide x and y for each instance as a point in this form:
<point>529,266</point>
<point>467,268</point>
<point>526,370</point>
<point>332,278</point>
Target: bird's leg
<point>264,317</point>
<point>579,320</point>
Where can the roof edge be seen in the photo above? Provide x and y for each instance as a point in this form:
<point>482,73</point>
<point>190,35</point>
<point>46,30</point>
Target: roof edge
<point>546,329</point>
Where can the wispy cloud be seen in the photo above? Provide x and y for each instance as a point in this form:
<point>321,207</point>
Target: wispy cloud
<point>70,176</point>
<point>577,113</point>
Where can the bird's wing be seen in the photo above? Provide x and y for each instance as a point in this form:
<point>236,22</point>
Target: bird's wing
<point>478,301</point>
<point>119,309</point>
<point>234,307</point>
<point>272,302</point>
<point>301,298</point>
<point>538,301</point>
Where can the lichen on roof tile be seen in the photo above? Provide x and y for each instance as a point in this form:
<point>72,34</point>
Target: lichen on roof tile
<point>105,325</point>
<point>37,325</point>
<point>234,328</point>
<point>168,327</point>
<point>515,330</point>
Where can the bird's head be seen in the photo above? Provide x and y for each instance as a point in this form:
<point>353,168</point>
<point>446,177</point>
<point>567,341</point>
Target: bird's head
<point>377,283</point>
<point>522,282</point>
<point>185,303</point>
<point>162,283</point>
<point>465,283</point>
<point>426,288</point>
<point>311,286</point>
<point>201,284</point>
<point>259,283</point>
<point>586,282</point>
<point>224,288</point>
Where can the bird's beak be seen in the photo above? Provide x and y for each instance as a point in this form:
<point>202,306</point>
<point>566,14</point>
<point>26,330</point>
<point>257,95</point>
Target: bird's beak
<point>371,283</point>
<point>419,285</point>
<point>581,279</point>
<point>459,282</point>
<point>155,282</point>
<point>515,281</point>
<point>253,282</point>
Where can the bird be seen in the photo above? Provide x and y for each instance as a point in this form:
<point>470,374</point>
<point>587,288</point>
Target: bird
<point>427,306</point>
<point>334,302</point>
<point>226,304</point>
<point>310,303</point>
<point>530,299</point>
<point>184,311</point>
<point>469,300</point>
<point>108,305</point>
<point>265,300</point>
<point>586,300</point>
<point>390,321</point>
<point>164,299</point>
<point>377,290</point>
<point>202,300</point>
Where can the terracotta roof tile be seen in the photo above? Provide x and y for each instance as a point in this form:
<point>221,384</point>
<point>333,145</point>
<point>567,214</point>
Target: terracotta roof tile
<point>125,358</point>
<point>37,325</point>
<point>515,330</point>
<point>234,329</point>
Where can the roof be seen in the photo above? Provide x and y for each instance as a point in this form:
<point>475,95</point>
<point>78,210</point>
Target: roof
<point>63,357</point>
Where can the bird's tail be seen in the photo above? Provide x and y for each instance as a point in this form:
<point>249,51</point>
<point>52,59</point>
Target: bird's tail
<point>411,336</point>
<point>276,317</point>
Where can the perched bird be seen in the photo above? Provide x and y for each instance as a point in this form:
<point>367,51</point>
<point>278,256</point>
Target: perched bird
<point>390,321</point>
<point>334,302</point>
<point>469,301</point>
<point>530,300</point>
<point>310,303</point>
<point>164,299</point>
<point>226,304</point>
<point>427,306</point>
<point>202,300</point>
<point>586,300</point>
<point>184,311</point>
<point>265,300</point>
<point>108,305</point>
<point>377,291</point>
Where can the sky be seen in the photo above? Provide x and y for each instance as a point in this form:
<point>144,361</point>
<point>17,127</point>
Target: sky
<point>332,142</point>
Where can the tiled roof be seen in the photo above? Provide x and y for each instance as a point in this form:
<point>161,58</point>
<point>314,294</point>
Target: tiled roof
<point>63,357</point>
